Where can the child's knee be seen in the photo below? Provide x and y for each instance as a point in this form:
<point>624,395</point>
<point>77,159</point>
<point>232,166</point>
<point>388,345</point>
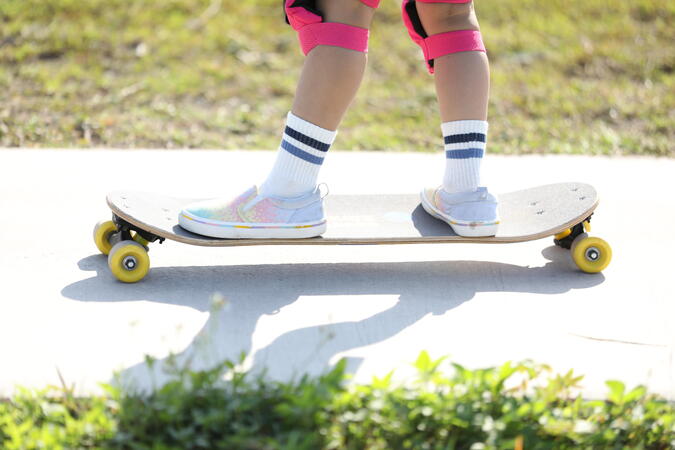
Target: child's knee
<point>336,23</point>
<point>350,12</point>
<point>443,17</point>
<point>442,27</point>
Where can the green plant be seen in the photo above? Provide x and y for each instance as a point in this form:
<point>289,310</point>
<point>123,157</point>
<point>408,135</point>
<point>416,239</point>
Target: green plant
<point>443,407</point>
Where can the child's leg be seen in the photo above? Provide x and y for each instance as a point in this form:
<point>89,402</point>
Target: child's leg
<point>330,78</point>
<point>332,75</point>
<point>334,36</point>
<point>462,86</point>
<point>448,33</point>
<point>462,79</point>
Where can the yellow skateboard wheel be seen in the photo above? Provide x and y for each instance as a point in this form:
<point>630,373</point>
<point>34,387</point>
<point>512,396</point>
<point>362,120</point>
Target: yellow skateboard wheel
<point>129,261</point>
<point>102,233</point>
<point>591,254</point>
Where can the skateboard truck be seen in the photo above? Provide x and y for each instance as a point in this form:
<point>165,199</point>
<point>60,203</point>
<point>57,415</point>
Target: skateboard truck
<point>567,237</point>
<point>143,237</point>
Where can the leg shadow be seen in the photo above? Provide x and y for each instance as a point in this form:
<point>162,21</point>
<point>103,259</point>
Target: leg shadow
<point>253,291</point>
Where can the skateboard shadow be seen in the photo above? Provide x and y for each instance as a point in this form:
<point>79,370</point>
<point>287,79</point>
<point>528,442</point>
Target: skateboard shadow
<point>253,291</point>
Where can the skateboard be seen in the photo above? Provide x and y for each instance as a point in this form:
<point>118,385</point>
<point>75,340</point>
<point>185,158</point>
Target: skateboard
<point>561,210</point>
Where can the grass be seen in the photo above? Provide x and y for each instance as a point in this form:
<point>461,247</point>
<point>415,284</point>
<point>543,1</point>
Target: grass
<point>589,77</point>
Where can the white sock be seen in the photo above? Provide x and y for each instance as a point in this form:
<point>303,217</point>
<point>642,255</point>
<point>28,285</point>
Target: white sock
<point>464,149</point>
<point>299,158</point>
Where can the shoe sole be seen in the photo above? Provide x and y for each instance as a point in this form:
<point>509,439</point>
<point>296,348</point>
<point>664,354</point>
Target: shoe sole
<point>223,230</point>
<point>466,229</point>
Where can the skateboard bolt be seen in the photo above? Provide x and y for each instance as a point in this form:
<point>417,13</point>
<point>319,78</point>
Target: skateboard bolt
<point>129,263</point>
<point>592,254</point>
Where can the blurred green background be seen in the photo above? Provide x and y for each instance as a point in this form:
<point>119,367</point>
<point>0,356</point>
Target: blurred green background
<point>575,76</point>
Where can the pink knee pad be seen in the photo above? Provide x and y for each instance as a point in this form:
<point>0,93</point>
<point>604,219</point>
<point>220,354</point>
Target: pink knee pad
<point>441,44</point>
<point>303,16</point>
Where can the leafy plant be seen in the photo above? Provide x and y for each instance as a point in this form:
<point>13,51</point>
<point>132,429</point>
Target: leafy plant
<point>445,406</point>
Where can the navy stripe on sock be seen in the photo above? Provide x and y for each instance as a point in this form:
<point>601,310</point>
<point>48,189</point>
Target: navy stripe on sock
<point>464,153</point>
<point>468,137</point>
<point>295,151</point>
<point>300,137</point>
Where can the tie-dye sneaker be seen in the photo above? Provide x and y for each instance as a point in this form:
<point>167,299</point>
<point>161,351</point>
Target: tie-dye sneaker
<point>470,214</point>
<point>254,216</point>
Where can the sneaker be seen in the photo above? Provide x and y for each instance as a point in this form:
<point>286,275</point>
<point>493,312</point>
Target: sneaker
<point>470,214</point>
<point>254,216</point>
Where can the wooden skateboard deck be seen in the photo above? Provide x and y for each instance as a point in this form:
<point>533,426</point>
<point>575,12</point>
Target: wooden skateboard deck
<point>526,215</point>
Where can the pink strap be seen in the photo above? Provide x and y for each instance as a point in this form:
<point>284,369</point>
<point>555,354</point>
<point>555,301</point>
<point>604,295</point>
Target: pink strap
<point>441,44</point>
<point>333,34</point>
<point>438,45</point>
<point>298,16</point>
<point>312,31</point>
<point>371,3</point>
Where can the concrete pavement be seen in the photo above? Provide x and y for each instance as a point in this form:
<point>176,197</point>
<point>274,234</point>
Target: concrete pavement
<point>298,308</point>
